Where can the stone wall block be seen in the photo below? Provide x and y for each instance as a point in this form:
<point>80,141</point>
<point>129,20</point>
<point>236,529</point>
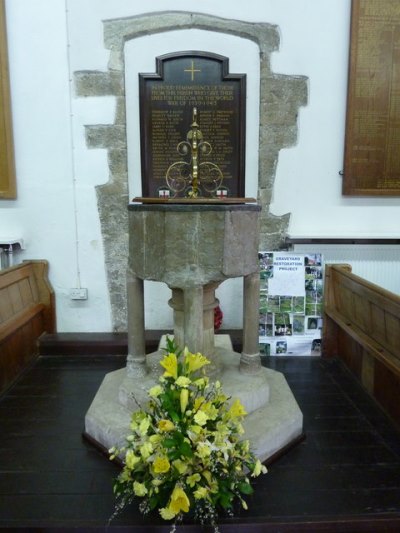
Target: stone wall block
<point>265,195</point>
<point>114,223</point>
<point>258,32</point>
<point>272,224</point>
<point>279,113</point>
<point>118,164</point>
<point>273,231</point>
<point>116,61</point>
<point>96,83</point>
<point>282,137</point>
<point>120,111</point>
<point>267,166</point>
<point>284,88</point>
<point>105,136</point>
<point>117,31</point>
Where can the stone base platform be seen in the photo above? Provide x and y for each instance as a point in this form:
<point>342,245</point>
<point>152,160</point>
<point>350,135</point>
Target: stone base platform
<point>274,419</point>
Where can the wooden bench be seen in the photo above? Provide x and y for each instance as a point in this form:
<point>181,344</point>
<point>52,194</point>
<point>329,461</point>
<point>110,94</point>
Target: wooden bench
<point>362,327</point>
<point>26,311</point>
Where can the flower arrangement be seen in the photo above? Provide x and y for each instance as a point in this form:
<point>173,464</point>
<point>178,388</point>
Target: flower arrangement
<point>185,453</point>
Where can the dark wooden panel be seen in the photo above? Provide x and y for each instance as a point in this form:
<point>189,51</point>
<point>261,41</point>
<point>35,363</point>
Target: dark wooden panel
<point>26,311</point>
<point>362,326</point>
<point>387,391</point>
<point>110,343</point>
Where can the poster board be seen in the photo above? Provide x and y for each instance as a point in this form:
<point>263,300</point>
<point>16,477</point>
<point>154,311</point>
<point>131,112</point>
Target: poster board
<point>291,295</point>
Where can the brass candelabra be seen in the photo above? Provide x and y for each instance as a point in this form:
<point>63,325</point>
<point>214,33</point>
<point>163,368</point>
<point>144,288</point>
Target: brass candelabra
<point>193,177</point>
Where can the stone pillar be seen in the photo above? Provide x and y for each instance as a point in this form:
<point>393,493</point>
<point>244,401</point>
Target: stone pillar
<point>193,318</point>
<point>176,302</point>
<point>209,303</point>
<point>136,361</point>
<point>250,361</point>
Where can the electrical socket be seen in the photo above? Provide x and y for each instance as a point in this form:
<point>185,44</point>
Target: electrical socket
<point>78,294</point>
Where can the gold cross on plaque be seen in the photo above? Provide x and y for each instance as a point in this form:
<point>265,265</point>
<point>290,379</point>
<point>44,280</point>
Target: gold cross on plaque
<point>192,70</point>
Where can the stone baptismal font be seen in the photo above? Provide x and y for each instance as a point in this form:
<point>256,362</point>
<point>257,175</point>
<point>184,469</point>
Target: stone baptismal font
<point>193,248</point>
<point>194,232</point>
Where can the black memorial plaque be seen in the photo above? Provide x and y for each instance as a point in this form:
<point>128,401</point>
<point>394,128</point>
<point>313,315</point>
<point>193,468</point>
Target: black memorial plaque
<point>184,81</point>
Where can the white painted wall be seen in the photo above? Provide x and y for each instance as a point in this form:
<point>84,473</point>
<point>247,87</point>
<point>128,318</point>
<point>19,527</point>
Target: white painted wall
<point>56,211</point>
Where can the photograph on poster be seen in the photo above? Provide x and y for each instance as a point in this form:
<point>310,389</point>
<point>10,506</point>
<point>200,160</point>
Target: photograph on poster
<point>290,308</point>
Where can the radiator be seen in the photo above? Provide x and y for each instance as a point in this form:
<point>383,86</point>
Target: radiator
<point>377,263</point>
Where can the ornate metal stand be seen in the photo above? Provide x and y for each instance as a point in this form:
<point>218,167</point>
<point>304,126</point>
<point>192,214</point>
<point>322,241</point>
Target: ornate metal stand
<point>193,177</point>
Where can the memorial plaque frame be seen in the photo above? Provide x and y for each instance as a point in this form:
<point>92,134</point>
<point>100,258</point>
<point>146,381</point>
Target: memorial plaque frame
<point>8,188</point>
<point>184,81</point>
<point>372,137</point>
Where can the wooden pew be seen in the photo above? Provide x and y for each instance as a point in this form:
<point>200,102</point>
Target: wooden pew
<point>27,309</point>
<point>362,327</point>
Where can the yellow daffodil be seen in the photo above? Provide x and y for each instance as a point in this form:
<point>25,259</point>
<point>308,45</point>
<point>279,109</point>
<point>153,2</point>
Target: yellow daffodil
<point>131,459</point>
<point>210,410</point>
<point>200,417</point>
<point>195,361</point>
<point>240,428</point>
<point>183,381</point>
<point>146,449</point>
<point>155,391</point>
<point>245,446</point>
<point>144,426</point>
<point>155,439</point>
<point>136,419</point>
<point>207,475</point>
<point>198,401</point>
<point>203,450</point>
<point>195,429</point>
<point>170,363</point>
<point>193,479</point>
<point>165,425</point>
<point>237,409</point>
<point>258,468</point>
<point>180,465</point>
<point>179,501</point>
<point>167,514</point>
<point>221,398</point>
<point>194,436</point>
<point>184,398</point>
<point>161,464</point>
<point>200,493</point>
<point>139,489</point>
<point>125,475</point>
<point>201,382</point>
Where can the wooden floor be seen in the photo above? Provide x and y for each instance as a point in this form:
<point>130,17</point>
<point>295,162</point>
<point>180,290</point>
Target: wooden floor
<point>344,477</point>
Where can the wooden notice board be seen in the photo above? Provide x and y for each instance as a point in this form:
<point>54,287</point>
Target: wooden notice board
<point>372,142</point>
<point>7,168</point>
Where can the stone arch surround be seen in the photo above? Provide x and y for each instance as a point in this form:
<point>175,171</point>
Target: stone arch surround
<point>280,98</point>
